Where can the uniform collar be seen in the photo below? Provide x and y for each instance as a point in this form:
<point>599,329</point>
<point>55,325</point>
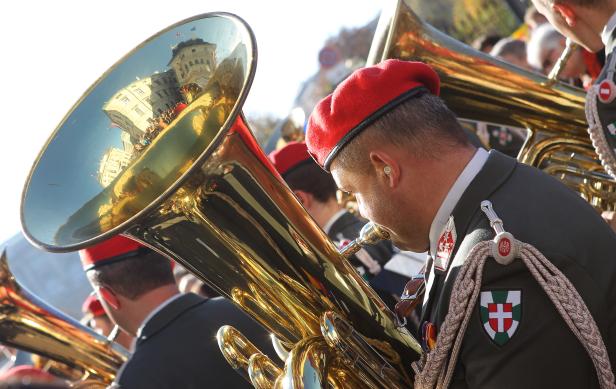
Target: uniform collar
<point>494,173</point>
<point>606,34</point>
<point>333,219</point>
<point>453,196</point>
<point>166,312</point>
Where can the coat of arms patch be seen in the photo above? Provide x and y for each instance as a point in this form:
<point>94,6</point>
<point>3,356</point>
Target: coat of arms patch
<point>500,312</point>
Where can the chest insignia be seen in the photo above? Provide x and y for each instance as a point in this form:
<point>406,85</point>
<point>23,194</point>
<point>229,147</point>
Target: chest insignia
<point>500,312</point>
<point>445,245</point>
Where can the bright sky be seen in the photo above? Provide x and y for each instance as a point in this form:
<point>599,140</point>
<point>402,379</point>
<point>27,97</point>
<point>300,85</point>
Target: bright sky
<point>54,50</point>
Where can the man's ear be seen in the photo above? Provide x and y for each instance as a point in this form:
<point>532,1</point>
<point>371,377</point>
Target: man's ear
<point>566,12</point>
<point>109,296</point>
<point>385,167</point>
<point>304,197</point>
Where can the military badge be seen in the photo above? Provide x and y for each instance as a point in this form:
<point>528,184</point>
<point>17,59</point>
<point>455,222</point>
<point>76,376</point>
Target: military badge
<point>500,312</point>
<point>428,336</point>
<point>601,116</point>
<point>606,92</point>
<point>445,245</point>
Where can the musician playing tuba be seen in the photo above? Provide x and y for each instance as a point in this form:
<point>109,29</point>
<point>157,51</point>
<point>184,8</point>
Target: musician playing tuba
<point>316,190</point>
<point>592,24</point>
<point>388,138</point>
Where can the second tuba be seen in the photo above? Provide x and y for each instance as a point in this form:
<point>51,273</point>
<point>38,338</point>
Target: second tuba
<point>479,87</point>
<point>29,324</point>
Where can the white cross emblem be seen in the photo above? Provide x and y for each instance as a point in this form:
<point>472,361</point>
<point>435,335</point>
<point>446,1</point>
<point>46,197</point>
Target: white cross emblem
<point>500,315</point>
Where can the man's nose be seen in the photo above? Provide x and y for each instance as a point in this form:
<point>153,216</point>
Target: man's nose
<point>363,212</point>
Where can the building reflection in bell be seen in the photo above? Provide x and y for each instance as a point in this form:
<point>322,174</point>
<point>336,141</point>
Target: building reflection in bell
<point>193,61</point>
<point>139,117</point>
<point>143,108</point>
<point>134,107</point>
<point>112,164</point>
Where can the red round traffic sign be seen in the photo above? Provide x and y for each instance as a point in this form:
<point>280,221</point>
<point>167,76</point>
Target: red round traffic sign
<point>329,56</point>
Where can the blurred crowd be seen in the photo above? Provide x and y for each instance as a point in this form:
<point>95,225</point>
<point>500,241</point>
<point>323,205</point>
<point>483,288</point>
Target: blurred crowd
<point>538,47</point>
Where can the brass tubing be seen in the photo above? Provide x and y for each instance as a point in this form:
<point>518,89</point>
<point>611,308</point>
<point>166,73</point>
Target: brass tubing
<point>370,233</point>
<point>29,324</point>
<point>263,372</point>
<point>236,349</point>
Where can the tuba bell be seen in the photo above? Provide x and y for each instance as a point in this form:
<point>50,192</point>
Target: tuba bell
<point>29,324</point>
<point>158,150</point>
<point>479,87</point>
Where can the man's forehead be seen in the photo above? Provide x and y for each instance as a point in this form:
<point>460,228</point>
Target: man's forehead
<point>339,176</point>
<point>347,179</point>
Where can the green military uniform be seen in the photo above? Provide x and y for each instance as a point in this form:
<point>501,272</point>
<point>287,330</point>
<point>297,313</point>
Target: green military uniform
<point>515,337</point>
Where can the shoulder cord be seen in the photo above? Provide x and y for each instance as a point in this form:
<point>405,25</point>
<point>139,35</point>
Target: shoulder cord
<point>436,370</point>
<point>597,136</point>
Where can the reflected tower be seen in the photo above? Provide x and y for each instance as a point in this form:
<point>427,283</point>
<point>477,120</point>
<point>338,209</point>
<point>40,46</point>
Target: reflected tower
<point>193,62</point>
<point>134,107</point>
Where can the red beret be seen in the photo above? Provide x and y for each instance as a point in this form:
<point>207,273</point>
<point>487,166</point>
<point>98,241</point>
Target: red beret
<point>361,99</point>
<point>290,156</point>
<point>110,251</point>
<point>25,371</point>
<point>93,306</point>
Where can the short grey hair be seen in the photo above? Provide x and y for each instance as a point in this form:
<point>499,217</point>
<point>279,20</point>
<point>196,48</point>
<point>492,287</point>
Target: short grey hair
<point>543,39</point>
<point>509,46</point>
<point>423,124</point>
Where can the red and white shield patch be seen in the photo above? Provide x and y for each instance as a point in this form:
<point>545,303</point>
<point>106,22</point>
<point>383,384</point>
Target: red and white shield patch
<point>500,312</point>
<point>445,245</point>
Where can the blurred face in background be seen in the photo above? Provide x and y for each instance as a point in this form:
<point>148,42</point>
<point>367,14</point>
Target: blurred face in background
<point>574,68</point>
<point>572,21</point>
<point>101,324</point>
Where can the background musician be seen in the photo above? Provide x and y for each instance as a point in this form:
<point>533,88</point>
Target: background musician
<point>175,333</point>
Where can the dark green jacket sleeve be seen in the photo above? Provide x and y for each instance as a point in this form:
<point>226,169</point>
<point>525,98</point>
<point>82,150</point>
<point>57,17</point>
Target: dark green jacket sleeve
<point>539,351</point>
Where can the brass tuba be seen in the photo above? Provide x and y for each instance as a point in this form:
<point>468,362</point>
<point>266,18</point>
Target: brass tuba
<point>29,324</point>
<point>158,150</point>
<point>482,88</point>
